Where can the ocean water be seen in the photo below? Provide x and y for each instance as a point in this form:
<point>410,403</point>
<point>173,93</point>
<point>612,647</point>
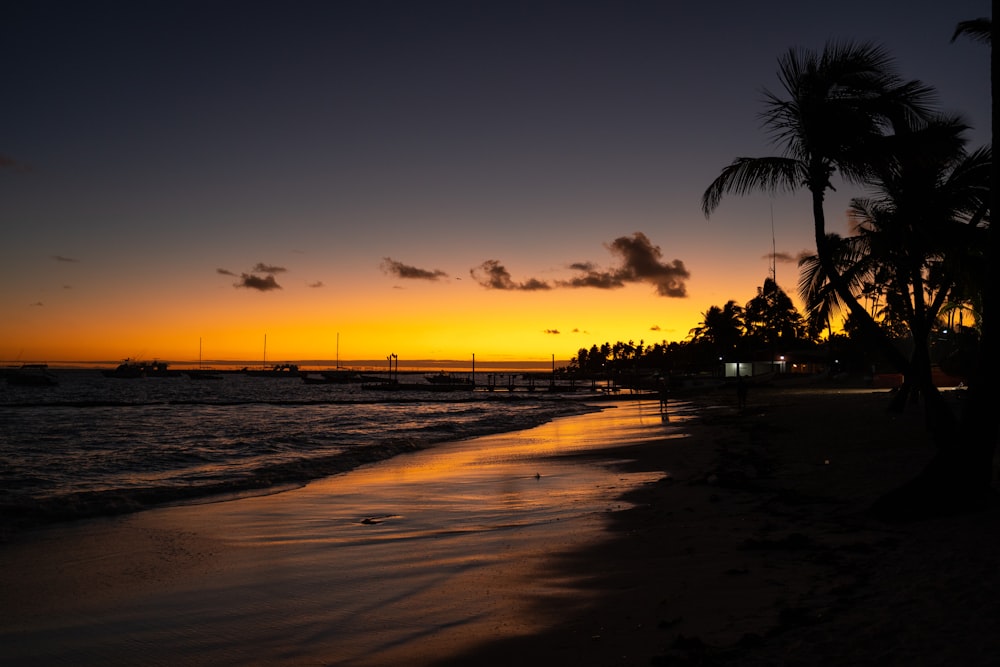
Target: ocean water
<point>97,446</point>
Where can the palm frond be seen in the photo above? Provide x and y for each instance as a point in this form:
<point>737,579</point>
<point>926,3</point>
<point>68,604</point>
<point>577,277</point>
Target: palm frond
<point>745,175</point>
<point>979,30</point>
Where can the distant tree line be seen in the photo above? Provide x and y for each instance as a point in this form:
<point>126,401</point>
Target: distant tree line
<point>770,325</point>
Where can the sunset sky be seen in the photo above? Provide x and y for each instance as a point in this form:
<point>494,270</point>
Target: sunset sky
<point>508,179</point>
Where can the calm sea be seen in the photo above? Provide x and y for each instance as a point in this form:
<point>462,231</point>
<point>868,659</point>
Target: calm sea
<point>94,445</point>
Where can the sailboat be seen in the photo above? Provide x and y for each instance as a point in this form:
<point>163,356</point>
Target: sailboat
<point>202,373</point>
<point>339,375</point>
<point>275,371</point>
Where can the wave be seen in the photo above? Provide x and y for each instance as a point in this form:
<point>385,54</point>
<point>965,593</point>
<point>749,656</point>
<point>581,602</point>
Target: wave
<point>80,463</point>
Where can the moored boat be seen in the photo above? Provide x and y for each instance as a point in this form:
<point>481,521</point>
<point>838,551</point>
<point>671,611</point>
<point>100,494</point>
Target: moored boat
<point>131,368</point>
<point>447,378</point>
<point>276,371</point>
<point>32,375</point>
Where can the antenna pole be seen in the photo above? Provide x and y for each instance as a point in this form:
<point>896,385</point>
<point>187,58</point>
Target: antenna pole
<point>774,261</point>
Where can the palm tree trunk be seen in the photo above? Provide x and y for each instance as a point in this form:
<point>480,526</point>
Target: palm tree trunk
<point>868,325</point>
<point>960,477</point>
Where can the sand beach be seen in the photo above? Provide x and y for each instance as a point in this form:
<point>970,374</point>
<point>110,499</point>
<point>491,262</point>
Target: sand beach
<point>613,538</point>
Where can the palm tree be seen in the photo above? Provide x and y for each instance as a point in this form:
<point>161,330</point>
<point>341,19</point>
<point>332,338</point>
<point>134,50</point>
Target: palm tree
<point>980,30</point>
<point>772,317</point>
<point>720,327</point>
<point>923,229</point>
<point>839,104</point>
<point>840,108</point>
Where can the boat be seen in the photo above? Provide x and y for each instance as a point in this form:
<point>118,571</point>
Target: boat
<point>339,376</point>
<point>129,368</point>
<point>32,375</point>
<point>276,371</point>
<point>446,378</point>
<point>203,374</point>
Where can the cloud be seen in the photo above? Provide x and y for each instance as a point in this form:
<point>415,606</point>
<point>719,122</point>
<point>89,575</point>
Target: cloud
<point>552,331</point>
<point>407,272</point>
<point>317,284</point>
<point>36,304</point>
<point>591,276</point>
<point>782,257</point>
<point>253,279</point>
<point>491,274</point>
<point>655,327</point>
<point>261,267</point>
<point>640,262</point>
<point>61,258</point>
<point>259,283</point>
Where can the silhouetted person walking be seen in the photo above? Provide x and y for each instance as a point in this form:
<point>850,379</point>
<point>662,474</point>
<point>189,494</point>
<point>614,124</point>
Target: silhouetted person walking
<point>741,392</point>
<point>661,389</point>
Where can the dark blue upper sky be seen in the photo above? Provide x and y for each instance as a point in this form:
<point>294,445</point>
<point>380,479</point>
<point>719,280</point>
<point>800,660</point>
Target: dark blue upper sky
<point>441,134</point>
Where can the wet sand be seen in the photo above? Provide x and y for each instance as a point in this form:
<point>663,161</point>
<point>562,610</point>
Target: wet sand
<point>409,559</point>
<point>761,550</point>
<point>752,547</point>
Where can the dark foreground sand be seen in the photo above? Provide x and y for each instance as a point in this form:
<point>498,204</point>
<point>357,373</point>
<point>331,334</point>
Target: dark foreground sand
<point>759,550</point>
<point>753,548</point>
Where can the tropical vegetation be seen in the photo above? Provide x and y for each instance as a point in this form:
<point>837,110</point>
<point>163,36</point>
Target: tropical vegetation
<point>920,250</point>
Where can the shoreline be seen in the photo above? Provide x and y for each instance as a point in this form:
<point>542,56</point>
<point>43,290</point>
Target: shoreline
<point>742,538</point>
<point>18,516</point>
<point>416,555</point>
<point>762,552</point>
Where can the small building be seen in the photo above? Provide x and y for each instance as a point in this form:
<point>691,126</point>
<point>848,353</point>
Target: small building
<point>733,369</point>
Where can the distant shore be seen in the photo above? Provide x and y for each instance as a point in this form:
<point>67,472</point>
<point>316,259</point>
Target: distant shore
<point>411,365</point>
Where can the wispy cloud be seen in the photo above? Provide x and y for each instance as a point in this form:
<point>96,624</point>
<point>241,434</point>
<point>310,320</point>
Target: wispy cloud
<point>261,267</point>
<point>591,276</point>
<point>491,274</point>
<point>407,272</point>
<point>317,284</point>
<point>259,283</point>
<point>640,262</point>
<point>37,304</point>
<point>253,280</point>
<point>63,258</point>
<point>781,257</point>
<point>552,331</point>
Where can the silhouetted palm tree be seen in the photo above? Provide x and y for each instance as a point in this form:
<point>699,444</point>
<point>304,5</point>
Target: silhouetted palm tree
<point>923,229</point>
<point>979,30</point>
<point>838,106</point>
<point>721,328</point>
<point>836,119</point>
<point>771,317</point>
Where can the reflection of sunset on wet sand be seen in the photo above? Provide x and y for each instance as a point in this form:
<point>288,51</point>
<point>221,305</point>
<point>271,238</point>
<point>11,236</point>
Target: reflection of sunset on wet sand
<point>423,553</point>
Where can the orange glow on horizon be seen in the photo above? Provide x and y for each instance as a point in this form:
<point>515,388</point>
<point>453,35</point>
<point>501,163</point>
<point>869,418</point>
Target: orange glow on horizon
<point>415,323</point>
